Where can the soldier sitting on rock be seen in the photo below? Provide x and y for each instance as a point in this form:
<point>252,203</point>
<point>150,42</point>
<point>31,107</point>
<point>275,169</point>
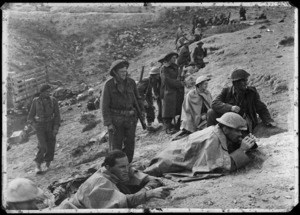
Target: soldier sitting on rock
<point>241,99</point>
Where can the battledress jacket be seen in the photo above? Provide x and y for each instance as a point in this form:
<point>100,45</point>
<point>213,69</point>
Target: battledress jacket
<point>202,152</point>
<point>104,190</point>
<point>112,98</point>
<point>250,105</point>
<point>192,107</point>
<point>172,91</point>
<point>45,110</point>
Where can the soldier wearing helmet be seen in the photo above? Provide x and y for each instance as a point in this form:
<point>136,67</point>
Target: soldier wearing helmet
<point>21,194</point>
<point>215,149</point>
<point>241,99</point>
<point>148,88</point>
<point>120,102</point>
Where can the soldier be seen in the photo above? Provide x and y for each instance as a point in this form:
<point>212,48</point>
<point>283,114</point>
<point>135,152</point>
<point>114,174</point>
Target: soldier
<point>21,194</point>
<point>120,106</point>
<point>242,13</point>
<point>195,106</point>
<point>198,54</point>
<point>179,33</point>
<point>184,55</point>
<point>241,99</point>
<point>93,101</point>
<point>44,115</point>
<point>172,92</point>
<point>146,88</point>
<point>198,32</point>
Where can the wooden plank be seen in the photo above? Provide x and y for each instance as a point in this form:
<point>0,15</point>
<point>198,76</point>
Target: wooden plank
<point>35,75</point>
<point>24,85</point>
<point>27,93</point>
<point>29,72</point>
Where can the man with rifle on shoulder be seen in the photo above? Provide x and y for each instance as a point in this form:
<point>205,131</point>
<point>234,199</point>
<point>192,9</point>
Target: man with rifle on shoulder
<point>121,108</point>
<point>149,89</point>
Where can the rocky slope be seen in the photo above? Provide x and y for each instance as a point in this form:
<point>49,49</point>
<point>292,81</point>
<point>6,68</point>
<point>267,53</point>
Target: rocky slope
<point>262,48</point>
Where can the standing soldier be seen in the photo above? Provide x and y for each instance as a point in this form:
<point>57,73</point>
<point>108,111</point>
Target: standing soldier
<point>146,88</point>
<point>198,54</point>
<point>121,105</point>
<point>172,91</point>
<point>44,115</point>
<point>242,13</point>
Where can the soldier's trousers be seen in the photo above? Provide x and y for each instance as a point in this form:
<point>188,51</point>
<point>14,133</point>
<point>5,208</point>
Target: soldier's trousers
<point>150,115</point>
<point>46,142</point>
<point>124,136</point>
<point>159,106</point>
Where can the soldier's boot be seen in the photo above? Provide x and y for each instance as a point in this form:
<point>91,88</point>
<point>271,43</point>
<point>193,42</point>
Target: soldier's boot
<point>38,168</point>
<point>47,165</point>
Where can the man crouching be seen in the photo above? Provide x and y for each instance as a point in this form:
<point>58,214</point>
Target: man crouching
<point>116,185</point>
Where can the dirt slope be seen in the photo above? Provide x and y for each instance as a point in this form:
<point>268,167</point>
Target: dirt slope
<point>270,183</point>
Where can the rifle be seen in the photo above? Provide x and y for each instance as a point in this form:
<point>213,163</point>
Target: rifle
<point>142,73</point>
<point>139,112</point>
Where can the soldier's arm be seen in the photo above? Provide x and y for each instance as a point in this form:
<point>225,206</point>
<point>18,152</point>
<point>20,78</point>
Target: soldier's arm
<point>105,105</point>
<point>174,83</point>
<point>218,103</point>
<point>238,159</point>
<point>141,88</point>
<point>261,108</point>
<point>138,97</point>
<point>56,115</point>
<point>32,112</point>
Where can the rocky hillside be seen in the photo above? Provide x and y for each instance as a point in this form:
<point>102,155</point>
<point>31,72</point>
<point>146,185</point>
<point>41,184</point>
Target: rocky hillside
<point>264,48</point>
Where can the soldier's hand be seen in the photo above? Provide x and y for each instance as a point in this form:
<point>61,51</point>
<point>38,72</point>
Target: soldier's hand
<point>235,109</point>
<point>160,192</point>
<point>111,128</point>
<point>247,143</point>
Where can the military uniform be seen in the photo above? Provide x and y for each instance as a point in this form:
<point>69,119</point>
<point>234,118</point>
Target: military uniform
<point>44,114</point>
<point>197,56</point>
<point>119,109</point>
<point>145,91</point>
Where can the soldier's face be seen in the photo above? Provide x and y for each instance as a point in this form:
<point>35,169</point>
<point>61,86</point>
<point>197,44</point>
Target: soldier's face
<point>122,73</point>
<point>46,93</point>
<point>173,59</point>
<point>121,169</point>
<point>234,135</point>
<point>203,85</point>
<point>241,84</point>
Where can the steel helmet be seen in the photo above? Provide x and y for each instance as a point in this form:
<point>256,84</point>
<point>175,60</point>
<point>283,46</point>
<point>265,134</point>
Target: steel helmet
<point>239,74</point>
<point>201,78</point>
<point>117,63</point>
<point>233,120</point>
<point>154,71</point>
<point>21,190</point>
<point>91,90</point>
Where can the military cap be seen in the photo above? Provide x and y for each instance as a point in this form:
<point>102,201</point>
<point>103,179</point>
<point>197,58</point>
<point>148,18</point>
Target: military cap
<point>116,64</point>
<point>167,55</point>
<point>44,87</point>
<point>200,42</point>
